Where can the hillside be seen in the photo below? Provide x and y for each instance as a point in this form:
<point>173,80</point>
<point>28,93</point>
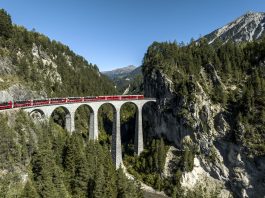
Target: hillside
<point>40,158</point>
<point>211,106</point>
<point>33,66</point>
<point>204,137</point>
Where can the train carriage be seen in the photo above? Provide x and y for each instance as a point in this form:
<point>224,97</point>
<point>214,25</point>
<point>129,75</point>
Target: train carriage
<point>90,98</point>
<point>113,97</point>
<point>58,100</point>
<point>23,103</point>
<point>75,99</point>
<point>41,102</point>
<point>6,105</point>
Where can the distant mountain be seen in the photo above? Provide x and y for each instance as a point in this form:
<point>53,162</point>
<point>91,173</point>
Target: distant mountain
<point>248,27</point>
<point>120,72</point>
<point>128,80</point>
<point>135,72</point>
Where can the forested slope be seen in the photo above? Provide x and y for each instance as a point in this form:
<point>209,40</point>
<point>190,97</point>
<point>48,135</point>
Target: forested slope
<point>40,158</point>
<point>38,66</point>
<point>211,97</point>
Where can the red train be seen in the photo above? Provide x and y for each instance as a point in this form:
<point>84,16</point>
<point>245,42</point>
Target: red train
<point>51,101</point>
<point>6,105</point>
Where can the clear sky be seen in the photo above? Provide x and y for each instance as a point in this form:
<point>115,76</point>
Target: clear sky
<point>116,33</point>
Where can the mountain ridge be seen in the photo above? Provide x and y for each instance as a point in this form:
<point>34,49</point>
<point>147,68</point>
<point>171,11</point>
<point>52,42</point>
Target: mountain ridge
<point>119,72</point>
<point>248,27</point>
<point>128,80</point>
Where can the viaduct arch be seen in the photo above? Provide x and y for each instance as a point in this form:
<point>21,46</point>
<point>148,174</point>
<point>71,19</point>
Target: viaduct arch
<point>70,109</point>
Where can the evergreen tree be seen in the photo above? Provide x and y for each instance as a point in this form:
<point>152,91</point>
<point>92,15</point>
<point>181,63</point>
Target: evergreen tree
<point>98,191</point>
<point>162,155</point>
<point>126,188</point>
<point>46,173</point>
<point>5,24</point>
<point>29,191</point>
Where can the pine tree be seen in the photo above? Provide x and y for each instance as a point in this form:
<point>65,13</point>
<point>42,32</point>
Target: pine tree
<point>46,173</point>
<point>29,191</point>
<point>5,24</point>
<point>127,188</point>
<point>121,183</point>
<point>79,183</point>
<point>98,191</point>
<point>162,155</point>
<point>110,188</point>
<point>8,145</point>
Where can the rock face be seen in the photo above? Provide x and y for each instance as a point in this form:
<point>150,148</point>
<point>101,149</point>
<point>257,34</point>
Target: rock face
<point>13,89</point>
<point>50,72</point>
<point>222,162</point>
<point>165,119</point>
<point>248,27</point>
<point>6,66</point>
<point>198,176</point>
<point>19,92</point>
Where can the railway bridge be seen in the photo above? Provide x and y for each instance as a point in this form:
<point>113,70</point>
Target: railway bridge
<point>70,109</point>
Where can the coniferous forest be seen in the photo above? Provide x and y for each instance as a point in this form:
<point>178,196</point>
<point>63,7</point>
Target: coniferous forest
<point>239,65</point>
<point>40,159</point>
<point>54,164</point>
<point>47,66</point>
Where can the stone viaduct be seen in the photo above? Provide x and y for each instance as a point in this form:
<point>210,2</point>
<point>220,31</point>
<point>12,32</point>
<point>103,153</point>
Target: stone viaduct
<point>70,109</point>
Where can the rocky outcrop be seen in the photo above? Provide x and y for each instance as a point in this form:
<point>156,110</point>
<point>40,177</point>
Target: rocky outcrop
<point>158,85</point>
<point>248,27</point>
<point>12,89</point>
<point>199,178</point>
<point>19,92</point>
<point>6,67</point>
<point>221,162</point>
<point>49,71</point>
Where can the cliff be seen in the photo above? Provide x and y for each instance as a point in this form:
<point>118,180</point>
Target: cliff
<point>202,94</point>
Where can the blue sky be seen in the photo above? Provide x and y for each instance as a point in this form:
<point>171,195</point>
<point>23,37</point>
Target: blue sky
<point>116,33</point>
